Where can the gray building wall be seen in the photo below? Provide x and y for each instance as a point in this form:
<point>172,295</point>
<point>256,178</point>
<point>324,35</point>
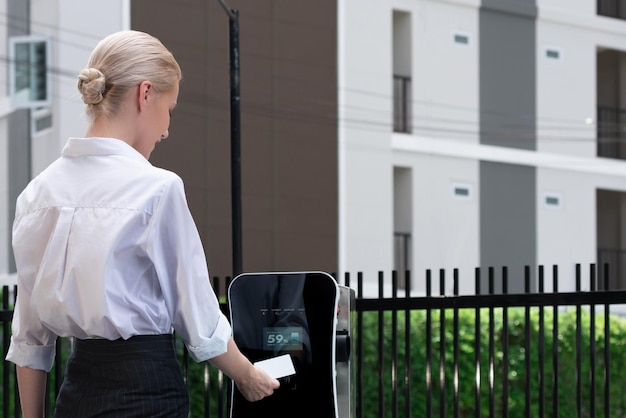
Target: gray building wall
<point>507,119</point>
<point>19,143</point>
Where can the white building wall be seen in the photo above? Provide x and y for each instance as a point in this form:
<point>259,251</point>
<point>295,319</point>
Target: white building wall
<point>445,99</point>
<point>566,233</point>
<point>566,112</point>
<point>445,107</point>
<point>574,7</point>
<point>566,88</point>
<point>445,225</point>
<point>445,72</point>
<point>366,169</point>
<point>75,27</point>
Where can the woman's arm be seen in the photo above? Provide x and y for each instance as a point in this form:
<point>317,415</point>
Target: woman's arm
<point>32,387</point>
<point>253,383</point>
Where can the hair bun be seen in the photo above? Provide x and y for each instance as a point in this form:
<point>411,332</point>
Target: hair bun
<point>91,84</point>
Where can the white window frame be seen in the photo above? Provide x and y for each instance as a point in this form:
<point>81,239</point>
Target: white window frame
<point>17,99</point>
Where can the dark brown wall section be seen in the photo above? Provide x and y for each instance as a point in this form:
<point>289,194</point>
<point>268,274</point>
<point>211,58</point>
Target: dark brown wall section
<point>288,58</point>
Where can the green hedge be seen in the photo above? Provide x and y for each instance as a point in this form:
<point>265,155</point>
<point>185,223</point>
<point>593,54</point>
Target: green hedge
<point>567,401</point>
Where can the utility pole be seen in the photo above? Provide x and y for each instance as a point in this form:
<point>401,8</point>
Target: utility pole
<point>235,138</point>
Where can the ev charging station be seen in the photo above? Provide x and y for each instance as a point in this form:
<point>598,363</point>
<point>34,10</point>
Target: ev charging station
<point>308,317</point>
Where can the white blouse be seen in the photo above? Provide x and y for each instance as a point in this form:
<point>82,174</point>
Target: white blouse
<point>105,247</point>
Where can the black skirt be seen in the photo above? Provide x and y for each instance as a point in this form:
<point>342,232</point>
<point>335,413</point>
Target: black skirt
<point>138,377</point>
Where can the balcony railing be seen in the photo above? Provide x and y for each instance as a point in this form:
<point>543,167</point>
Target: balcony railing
<point>612,8</point>
<point>401,104</point>
<point>611,132</point>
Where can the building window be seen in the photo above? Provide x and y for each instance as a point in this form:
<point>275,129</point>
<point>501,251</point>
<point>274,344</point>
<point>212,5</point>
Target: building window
<point>610,240</point>
<point>402,257</point>
<point>402,222</point>
<point>611,132</point>
<point>611,103</point>
<point>612,262</point>
<point>612,8</point>
<point>401,104</point>
<point>29,73</point>
<point>402,69</point>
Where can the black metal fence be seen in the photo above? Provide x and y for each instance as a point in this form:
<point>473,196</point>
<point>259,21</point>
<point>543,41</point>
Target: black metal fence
<point>543,354</point>
<point>545,379</point>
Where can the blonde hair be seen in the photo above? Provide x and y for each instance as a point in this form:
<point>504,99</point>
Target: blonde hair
<point>120,62</point>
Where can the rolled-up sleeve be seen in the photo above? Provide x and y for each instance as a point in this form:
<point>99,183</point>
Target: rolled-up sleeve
<point>178,256</point>
<point>32,344</point>
<point>214,345</point>
<point>40,357</point>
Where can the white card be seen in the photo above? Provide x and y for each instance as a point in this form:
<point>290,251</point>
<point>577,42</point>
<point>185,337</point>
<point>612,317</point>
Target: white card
<point>277,367</point>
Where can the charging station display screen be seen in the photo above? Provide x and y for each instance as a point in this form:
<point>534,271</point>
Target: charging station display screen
<point>282,338</point>
<point>275,314</point>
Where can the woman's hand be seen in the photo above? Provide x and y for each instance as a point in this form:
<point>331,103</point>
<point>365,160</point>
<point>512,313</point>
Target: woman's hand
<point>253,383</point>
<point>257,385</point>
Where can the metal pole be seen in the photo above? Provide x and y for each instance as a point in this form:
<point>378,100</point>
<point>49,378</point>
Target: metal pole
<point>235,135</point>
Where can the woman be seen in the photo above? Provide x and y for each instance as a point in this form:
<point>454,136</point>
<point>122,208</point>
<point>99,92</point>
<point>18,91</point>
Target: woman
<point>107,252</point>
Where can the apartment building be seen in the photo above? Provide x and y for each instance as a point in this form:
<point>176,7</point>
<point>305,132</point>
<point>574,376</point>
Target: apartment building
<point>381,135</point>
<point>488,136</point>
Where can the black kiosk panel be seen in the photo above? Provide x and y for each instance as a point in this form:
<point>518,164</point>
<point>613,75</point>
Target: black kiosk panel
<point>288,313</point>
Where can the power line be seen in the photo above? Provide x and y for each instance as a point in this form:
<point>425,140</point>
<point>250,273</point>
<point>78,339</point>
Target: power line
<point>387,97</point>
<point>383,120</point>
